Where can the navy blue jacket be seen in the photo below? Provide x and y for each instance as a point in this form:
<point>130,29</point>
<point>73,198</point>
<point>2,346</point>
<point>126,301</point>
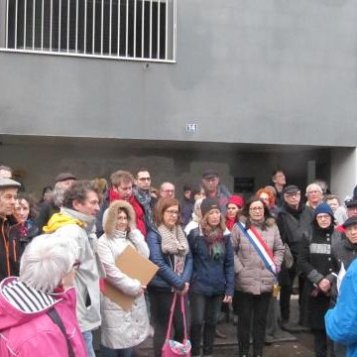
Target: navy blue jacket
<point>210,276</point>
<point>166,279</point>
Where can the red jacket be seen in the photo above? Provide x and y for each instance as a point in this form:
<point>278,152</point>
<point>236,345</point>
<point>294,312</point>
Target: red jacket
<point>139,210</point>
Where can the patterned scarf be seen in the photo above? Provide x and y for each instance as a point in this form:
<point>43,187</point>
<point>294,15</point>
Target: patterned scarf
<point>213,238</point>
<point>174,242</point>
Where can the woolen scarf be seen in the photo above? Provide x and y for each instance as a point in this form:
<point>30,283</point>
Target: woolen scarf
<point>174,242</point>
<point>213,237</point>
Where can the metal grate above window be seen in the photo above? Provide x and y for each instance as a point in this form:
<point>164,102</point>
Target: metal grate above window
<point>127,29</point>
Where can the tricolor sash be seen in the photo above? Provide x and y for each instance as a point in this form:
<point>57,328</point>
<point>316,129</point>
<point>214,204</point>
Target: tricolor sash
<point>263,250</point>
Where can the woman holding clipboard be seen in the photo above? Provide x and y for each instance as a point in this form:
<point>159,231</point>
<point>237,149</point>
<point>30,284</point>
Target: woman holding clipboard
<point>121,330</point>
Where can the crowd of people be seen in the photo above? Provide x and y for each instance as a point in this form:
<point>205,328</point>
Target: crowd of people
<point>213,250</point>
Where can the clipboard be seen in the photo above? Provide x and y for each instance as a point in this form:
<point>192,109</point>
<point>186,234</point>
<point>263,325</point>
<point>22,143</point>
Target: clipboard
<point>131,263</point>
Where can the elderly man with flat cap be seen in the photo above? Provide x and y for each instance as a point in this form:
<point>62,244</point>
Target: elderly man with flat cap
<point>294,221</point>
<point>214,189</point>
<point>63,182</point>
<point>8,193</point>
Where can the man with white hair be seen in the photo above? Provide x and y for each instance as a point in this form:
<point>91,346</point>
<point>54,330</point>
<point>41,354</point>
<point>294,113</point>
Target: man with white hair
<point>30,311</point>
<point>8,193</point>
<point>76,221</point>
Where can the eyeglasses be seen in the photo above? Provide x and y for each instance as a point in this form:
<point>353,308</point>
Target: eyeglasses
<point>172,212</point>
<point>145,179</point>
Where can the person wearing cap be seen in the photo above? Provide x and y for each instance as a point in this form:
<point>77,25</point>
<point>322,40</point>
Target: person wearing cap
<point>214,189</point>
<point>315,262</point>
<point>213,275</point>
<point>8,193</point>
<point>341,320</point>
<point>351,211</point>
<point>234,208</point>
<point>5,172</point>
<point>63,182</point>
<point>293,221</point>
<point>255,277</point>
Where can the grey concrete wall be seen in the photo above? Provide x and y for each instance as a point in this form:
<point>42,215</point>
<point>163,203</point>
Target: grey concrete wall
<point>40,163</point>
<point>344,171</point>
<point>267,71</point>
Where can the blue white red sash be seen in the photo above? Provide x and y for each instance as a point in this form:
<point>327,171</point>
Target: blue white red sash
<point>263,250</point>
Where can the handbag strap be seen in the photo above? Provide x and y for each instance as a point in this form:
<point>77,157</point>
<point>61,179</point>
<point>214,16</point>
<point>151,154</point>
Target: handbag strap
<point>53,314</point>
<point>172,312</point>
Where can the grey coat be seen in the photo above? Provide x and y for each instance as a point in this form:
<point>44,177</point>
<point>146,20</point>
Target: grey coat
<point>251,274</point>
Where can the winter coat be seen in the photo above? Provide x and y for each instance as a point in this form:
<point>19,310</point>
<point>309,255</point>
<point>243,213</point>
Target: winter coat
<point>343,252</point>
<point>20,234</point>
<point>293,224</point>
<point>186,210</point>
<point>122,329</point>
<point>6,268</point>
<point>341,321</point>
<point>211,276</point>
<point>80,227</point>
<point>27,330</point>
<point>315,262</point>
<point>251,274</point>
<point>166,279</point>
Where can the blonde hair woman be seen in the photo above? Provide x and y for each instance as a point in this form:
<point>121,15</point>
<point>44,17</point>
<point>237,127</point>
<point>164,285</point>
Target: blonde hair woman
<point>121,330</point>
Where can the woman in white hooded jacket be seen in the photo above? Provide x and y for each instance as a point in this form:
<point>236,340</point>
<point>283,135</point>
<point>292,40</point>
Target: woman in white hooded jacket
<point>121,330</point>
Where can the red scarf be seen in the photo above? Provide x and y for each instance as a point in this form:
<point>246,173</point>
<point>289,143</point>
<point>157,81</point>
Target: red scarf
<point>139,211</point>
<point>230,222</point>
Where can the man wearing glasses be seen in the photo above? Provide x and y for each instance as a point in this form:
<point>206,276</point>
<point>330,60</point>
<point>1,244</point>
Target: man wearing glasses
<point>143,195</point>
<point>293,221</point>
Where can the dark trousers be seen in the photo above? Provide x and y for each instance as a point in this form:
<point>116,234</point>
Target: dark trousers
<point>252,308</point>
<point>160,304</point>
<point>286,279</point>
<point>204,313</point>
<point>323,345</point>
<point>109,352</point>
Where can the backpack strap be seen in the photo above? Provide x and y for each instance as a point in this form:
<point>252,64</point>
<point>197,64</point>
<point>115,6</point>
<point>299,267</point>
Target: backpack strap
<point>53,314</point>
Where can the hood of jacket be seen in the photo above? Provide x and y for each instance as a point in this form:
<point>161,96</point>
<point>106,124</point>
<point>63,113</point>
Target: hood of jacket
<point>20,304</point>
<point>110,216</point>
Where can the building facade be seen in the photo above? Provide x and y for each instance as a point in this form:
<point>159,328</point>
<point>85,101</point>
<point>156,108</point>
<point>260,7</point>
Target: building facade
<point>179,85</point>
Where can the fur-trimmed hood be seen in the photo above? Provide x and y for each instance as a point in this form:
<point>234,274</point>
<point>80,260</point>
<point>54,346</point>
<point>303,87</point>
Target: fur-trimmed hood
<point>111,215</point>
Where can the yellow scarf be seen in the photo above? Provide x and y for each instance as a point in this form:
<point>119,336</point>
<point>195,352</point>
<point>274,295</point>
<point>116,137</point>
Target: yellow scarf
<point>58,220</point>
